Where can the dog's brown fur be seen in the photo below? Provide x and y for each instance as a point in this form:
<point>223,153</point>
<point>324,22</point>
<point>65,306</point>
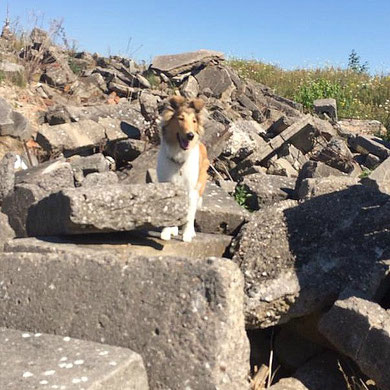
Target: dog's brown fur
<point>180,118</point>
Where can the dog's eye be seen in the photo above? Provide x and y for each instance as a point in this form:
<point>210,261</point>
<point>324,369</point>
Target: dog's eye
<point>181,118</point>
<point>194,120</point>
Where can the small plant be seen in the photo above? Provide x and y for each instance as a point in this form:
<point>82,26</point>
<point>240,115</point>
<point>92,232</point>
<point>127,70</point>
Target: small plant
<point>366,172</point>
<point>153,79</point>
<point>75,67</point>
<point>241,196</point>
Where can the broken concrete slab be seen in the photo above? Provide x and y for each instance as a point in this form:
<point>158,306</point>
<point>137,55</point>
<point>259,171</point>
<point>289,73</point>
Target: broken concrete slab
<point>175,64</point>
<point>217,79</point>
<point>17,204</point>
<point>337,155</point>
<point>116,208</point>
<point>326,106</point>
<point>266,190</point>
<point>147,243</point>
<point>50,176</point>
<point>349,127</point>
<point>289,384</point>
<point>98,179</point>
<point>190,88</point>
<point>36,360</point>
<point>361,330</point>
<point>89,164</point>
<point>382,172</point>
<point>125,151</point>
<point>290,135</point>
<point>71,138</point>
<point>7,175</point>
<point>31,186</point>
<point>6,231</point>
<point>219,212</point>
<point>13,123</point>
<point>315,169</point>
<point>310,188</point>
<point>297,258</point>
<point>369,144</point>
<point>183,316</point>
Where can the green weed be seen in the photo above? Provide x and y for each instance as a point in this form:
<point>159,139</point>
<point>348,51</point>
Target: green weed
<point>241,196</point>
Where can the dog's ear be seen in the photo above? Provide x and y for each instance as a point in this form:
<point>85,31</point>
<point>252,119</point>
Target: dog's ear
<point>176,101</point>
<point>196,104</point>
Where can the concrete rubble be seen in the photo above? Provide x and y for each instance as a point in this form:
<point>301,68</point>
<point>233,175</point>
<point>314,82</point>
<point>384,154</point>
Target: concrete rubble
<point>296,212</point>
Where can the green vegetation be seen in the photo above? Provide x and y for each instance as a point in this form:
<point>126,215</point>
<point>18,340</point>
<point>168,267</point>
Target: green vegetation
<point>241,195</point>
<point>358,94</point>
<point>75,67</point>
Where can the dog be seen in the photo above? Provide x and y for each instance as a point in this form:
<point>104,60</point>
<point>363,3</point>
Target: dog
<point>182,158</point>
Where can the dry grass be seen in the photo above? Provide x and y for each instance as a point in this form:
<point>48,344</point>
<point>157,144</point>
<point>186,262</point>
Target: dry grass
<point>359,95</point>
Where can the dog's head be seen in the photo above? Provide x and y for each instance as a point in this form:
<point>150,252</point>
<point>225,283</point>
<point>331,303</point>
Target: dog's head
<point>182,122</point>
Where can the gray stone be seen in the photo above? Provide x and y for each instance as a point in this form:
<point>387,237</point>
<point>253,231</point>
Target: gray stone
<point>289,384</point>
<point>244,139</point>
<point>16,206</point>
<point>369,144</point>
<point>71,138</point>
<point>382,172</point>
<point>219,212</point>
<point>217,79</point>
<point>282,167</point>
<point>310,188</point>
<point>266,190</point>
<point>190,88</point>
<point>149,105</point>
<point>115,208</point>
<point>7,175</point>
<point>57,72</point>
<point>117,130</point>
<point>361,126</point>
<point>139,167</point>
<point>297,258</point>
<point>175,64</point>
<point>57,115</point>
<point>89,164</point>
<point>247,103</point>
<point>215,137</point>
<point>6,232</point>
<point>326,106</point>
<point>36,361</point>
<point>337,155</point>
<point>50,176</point>
<point>281,124</point>
<point>99,179</point>
<point>183,316</point>
<point>371,161</point>
<point>13,123</point>
<point>361,330</point>
<point>10,69</point>
<point>315,169</point>
<point>39,37</point>
<point>145,243</point>
<point>125,151</point>
<point>291,135</point>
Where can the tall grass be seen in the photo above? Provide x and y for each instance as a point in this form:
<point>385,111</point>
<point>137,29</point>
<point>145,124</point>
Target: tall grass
<point>359,95</point>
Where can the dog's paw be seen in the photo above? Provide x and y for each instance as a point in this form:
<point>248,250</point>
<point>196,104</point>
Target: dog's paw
<point>166,234</point>
<point>175,231</point>
<point>188,234</point>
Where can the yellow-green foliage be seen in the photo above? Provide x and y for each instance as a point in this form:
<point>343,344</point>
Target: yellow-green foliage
<point>359,95</point>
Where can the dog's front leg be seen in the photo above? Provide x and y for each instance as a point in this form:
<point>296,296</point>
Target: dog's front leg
<point>189,228</point>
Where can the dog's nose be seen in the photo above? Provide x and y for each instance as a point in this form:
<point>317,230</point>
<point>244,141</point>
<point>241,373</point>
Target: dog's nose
<point>190,136</point>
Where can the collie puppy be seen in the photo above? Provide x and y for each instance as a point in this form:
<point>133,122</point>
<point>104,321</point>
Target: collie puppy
<point>182,158</point>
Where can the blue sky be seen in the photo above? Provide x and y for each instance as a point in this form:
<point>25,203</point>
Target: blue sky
<point>298,33</point>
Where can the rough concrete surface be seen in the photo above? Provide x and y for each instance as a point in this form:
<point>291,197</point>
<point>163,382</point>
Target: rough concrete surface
<point>183,316</point>
<point>42,361</point>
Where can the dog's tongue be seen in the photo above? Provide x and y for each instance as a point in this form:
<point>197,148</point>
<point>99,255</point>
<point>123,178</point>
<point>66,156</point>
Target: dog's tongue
<point>183,143</point>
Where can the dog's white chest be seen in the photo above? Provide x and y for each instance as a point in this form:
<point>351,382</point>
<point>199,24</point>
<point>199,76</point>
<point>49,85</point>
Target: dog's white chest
<point>185,174</point>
